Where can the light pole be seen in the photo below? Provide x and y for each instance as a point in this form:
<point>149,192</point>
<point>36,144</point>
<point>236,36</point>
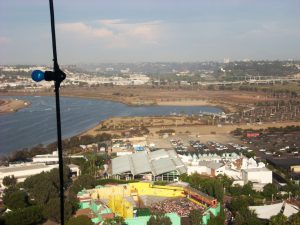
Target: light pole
<point>57,76</point>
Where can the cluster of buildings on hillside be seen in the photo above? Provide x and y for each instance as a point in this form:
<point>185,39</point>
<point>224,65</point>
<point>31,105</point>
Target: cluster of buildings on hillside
<point>167,165</point>
<point>238,167</point>
<point>74,79</point>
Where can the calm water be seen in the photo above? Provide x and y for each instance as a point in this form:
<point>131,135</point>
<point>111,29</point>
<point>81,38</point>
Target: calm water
<point>37,123</point>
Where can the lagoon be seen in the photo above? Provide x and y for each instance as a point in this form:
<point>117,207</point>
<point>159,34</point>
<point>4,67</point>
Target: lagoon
<point>36,124</point>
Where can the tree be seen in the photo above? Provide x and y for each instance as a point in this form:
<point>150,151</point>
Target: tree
<point>83,181</point>
<point>195,217</point>
<point>15,199</point>
<point>42,190</point>
<point>246,217</point>
<point>295,219</point>
<point>9,181</point>
<point>52,210</point>
<point>238,203</point>
<point>80,220</point>
<point>45,186</point>
<point>278,219</point>
<point>269,190</point>
<point>159,219</point>
<point>27,216</point>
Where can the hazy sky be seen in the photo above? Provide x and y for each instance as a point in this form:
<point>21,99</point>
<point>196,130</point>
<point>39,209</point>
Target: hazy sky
<point>92,31</point>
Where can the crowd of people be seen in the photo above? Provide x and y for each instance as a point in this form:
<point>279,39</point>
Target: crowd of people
<point>181,206</point>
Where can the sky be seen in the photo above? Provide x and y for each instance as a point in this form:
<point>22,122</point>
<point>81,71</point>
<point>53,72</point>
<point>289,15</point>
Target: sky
<point>99,31</point>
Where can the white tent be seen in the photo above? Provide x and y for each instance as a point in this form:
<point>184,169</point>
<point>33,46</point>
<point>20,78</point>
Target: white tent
<point>267,211</point>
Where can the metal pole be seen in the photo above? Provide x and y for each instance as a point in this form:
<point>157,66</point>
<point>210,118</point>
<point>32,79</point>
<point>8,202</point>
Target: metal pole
<point>58,79</point>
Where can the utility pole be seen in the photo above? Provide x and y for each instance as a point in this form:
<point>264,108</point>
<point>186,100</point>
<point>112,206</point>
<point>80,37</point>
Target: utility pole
<point>57,76</point>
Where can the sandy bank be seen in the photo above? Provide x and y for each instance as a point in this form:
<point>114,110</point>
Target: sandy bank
<point>12,105</point>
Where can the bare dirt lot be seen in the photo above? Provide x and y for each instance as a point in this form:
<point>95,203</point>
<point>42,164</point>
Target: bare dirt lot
<point>185,129</point>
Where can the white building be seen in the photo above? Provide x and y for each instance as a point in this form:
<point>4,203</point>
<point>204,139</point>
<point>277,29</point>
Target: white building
<point>46,158</point>
<point>25,170</point>
<point>53,158</point>
<point>157,165</point>
<point>257,175</point>
<point>207,168</point>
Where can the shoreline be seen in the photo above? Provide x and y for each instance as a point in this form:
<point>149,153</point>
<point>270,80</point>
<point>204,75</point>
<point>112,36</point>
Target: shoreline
<point>12,105</point>
<point>225,107</point>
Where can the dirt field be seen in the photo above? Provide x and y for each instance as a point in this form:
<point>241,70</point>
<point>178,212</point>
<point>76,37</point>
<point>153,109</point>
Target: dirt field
<point>185,129</point>
<point>11,105</point>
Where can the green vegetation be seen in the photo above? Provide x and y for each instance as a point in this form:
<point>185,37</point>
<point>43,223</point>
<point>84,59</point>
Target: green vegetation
<point>269,190</point>
<point>38,201</point>
<point>143,212</point>
<point>80,220</point>
<point>9,181</point>
<point>25,216</point>
<point>243,216</point>
<point>278,219</point>
<point>15,198</point>
<point>217,220</point>
<point>211,186</point>
<point>295,219</point>
<point>195,217</point>
<point>159,220</point>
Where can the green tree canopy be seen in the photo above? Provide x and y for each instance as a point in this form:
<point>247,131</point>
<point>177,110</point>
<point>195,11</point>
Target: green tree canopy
<point>83,181</point>
<point>45,186</point>
<point>238,204</point>
<point>80,220</point>
<point>211,186</point>
<point>9,181</point>
<point>278,219</point>
<point>295,219</point>
<point>246,217</point>
<point>52,210</point>
<point>195,217</point>
<point>26,216</point>
<point>269,190</point>
<point>159,220</point>
<point>15,199</point>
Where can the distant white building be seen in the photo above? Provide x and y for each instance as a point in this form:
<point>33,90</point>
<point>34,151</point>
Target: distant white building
<point>257,175</point>
<point>46,158</point>
<point>207,168</point>
<point>25,170</point>
<point>52,158</point>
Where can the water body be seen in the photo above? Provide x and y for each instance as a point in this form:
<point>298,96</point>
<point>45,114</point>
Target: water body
<point>36,124</point>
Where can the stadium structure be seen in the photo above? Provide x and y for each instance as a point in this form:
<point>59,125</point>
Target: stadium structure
<point>128,200</point>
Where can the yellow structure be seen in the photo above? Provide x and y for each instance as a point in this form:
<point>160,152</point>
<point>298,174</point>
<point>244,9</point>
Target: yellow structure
<point>116,195</point>
<point>295,168</point>
<point>142,188</point>
<point>106,192</point>
<point>120,206</point>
